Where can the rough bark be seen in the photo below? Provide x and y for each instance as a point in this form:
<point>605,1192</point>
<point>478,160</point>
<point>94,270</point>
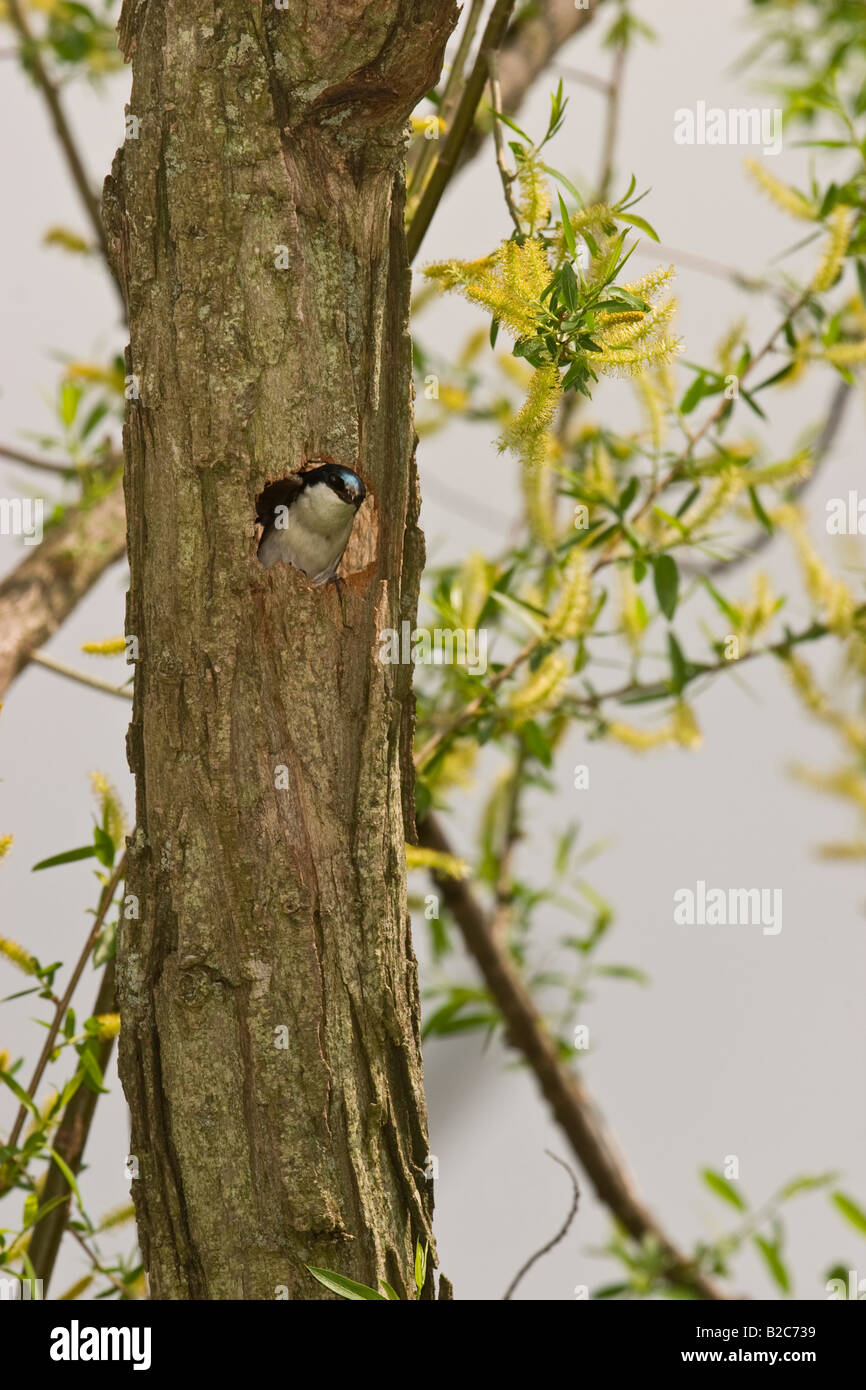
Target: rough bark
<point>263,907</point>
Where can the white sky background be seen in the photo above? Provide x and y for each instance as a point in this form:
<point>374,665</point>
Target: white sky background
<point>744,1044</point>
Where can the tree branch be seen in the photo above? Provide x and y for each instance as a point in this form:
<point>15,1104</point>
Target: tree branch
<point>572,1106</point>
<point>105,901</point>
<point>70,1141</point>
<point>40,659</point>
<point>464,117</point>
<point>46,585</point>
<point>89,200</point>
<point>560,1235</point>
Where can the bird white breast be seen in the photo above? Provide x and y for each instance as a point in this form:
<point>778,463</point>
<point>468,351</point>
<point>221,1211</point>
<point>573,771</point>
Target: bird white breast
<point>311,534</point>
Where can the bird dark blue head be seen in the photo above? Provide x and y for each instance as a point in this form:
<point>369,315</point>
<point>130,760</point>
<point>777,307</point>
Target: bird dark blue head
<point>307,518</point>
<point>346,484</point>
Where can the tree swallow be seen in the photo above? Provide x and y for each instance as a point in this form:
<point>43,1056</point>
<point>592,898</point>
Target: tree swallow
<point>307,519</point>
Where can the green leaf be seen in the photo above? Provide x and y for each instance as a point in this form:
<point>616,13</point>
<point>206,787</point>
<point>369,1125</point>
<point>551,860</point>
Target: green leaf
<point>68,857</point>
<point>91,1069</point>
<point>391,1294</point>
<point>536,743</point>
<point>420,1265</point>
<point>19,1091</point>
<point>499,116</point>
<point>639,222</point>
<point>853,1214</point>
<point>346,1288</point>
<point>758,509</point>
<point>568,230</point>
<point>722,1188</point>
<point>103,847</point>
<point>666,579</point>
<point>566,183</point>
<point>67,1173</point>
<point>70,395</point>
<point>622,972</point>
<point>694,395</point>
<point>679,666</point>
<point>774,1262</point>
<point>627,496</point>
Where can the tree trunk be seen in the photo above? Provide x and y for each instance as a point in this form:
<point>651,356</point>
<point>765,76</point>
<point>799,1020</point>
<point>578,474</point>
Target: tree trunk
<point>269,1046</point>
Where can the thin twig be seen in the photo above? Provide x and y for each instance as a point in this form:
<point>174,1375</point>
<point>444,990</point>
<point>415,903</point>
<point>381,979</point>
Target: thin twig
<point>464,117</point>
<point>689,260</point>
<point>64,470</point>
<point>431,747</point>
<point>81,677</point>
<point>89,201</point>
<point>611,124</point>
<point>105,901</point>
<point>505,175</point>
<point>560,1235</point>
<point>420,165</point>
<point>96,1264</point>
<point>589,79</point>
<point>572,1106</point>
<point>70,1142</point>
<point>762,538</point>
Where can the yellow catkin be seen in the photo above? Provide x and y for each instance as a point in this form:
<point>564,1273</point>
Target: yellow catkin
<point>845,782</point>
<point>539,501</point>
<point>534,200</point>
<point>471,590</point>
<point>113,646</point>
<point>107,1026</point>
<point>632,612</point>
<point>118,1216</point>
<point>844,850</point>
<point>727,346</point>
<point>834,599</point>
<point>640,327</point>
<point>799,466</point>
<point>715,499</point>
<point>817,702</point>
<point>786,198</point>
<point>684,726</point>
<point>569,616</point>
<point>846,354</point>
<point>681,729</point>
<point>631,361</point>
<point>18,956</point>
<point>76,1290</point>
<point>421,124</point>
<point>456,768</point>
<point>508,283</point>
<point>542,688</point>
<point>651,284</point>
<point>651,399</point>
<point>446,864</point>
<point>840,225</point>
<point>6,843</point>
<point>111,808</point>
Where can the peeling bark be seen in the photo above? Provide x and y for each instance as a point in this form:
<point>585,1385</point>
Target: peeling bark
<point>270,900</point>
